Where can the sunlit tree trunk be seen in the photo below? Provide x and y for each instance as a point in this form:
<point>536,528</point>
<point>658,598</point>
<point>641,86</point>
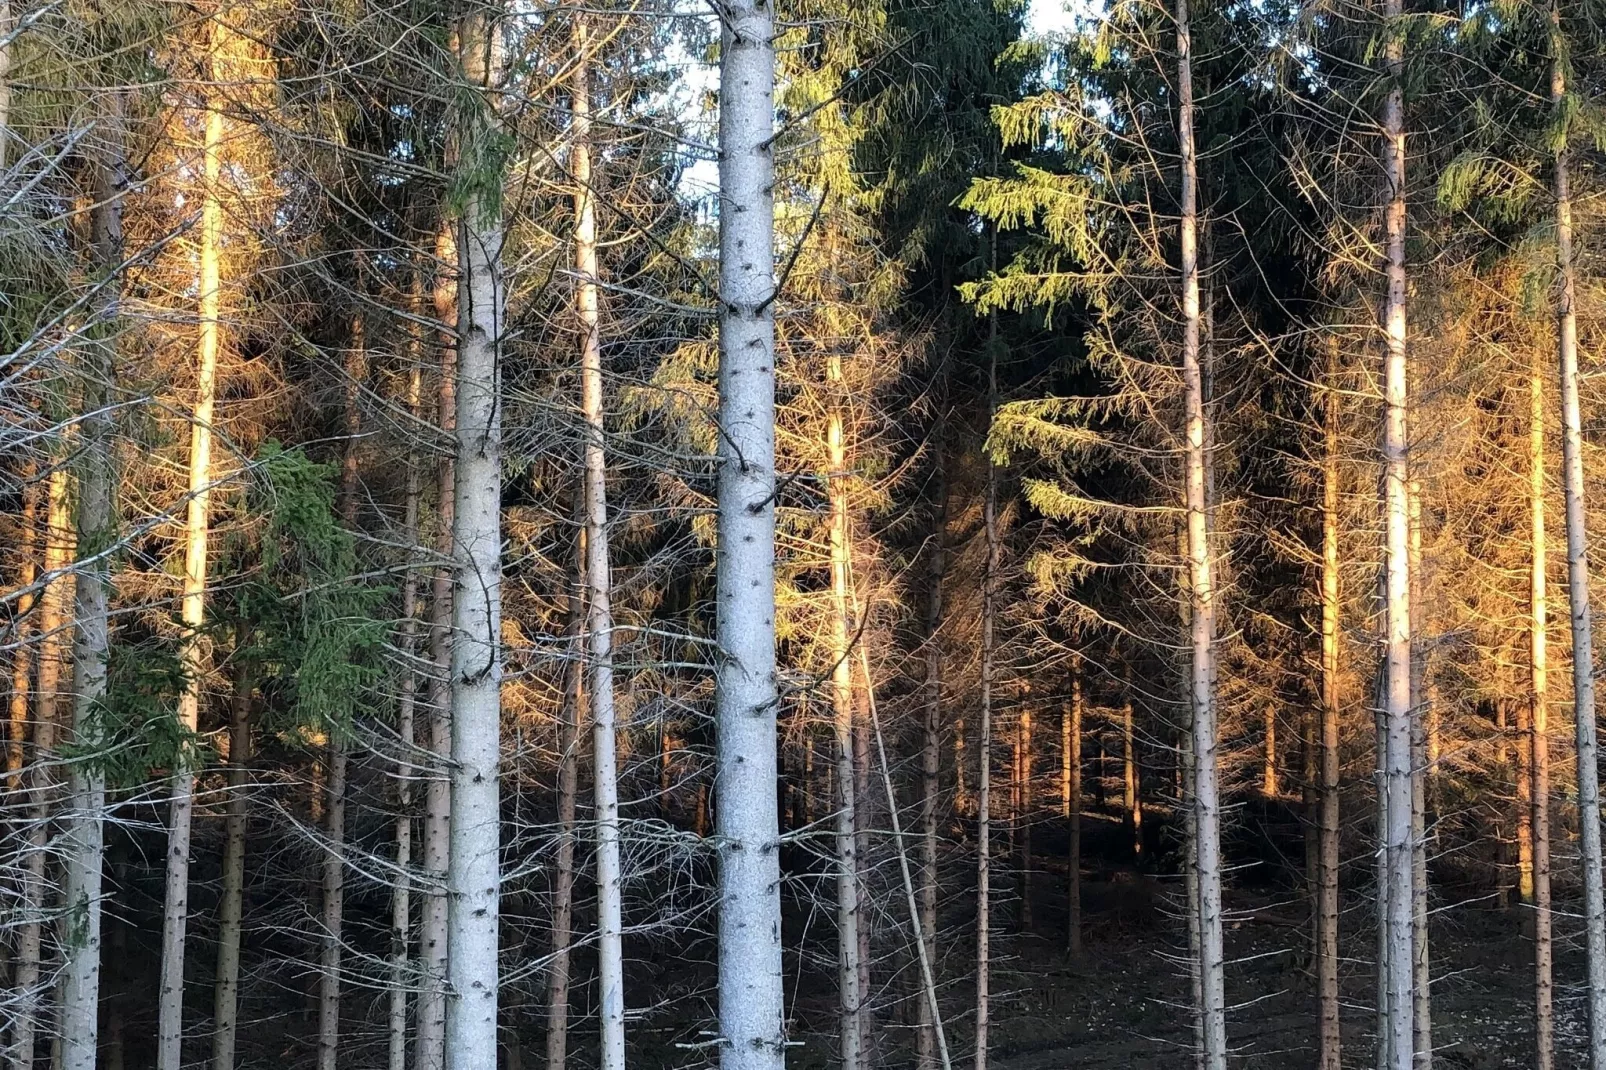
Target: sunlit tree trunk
<point>175,910</point>
<point>83,837</point>
<point>1201,587</point>
<point>1270,786</point>
<point>474,877</point>
<point>1071,744</point>
<point>751,1008</point>
<point>1131,801</point>
<point>1539,725</point>
<point>849,994</point>
<point>1023,816</point>
<point>54,622</point>
<point>1397,773</point>
<point>1327,994</point>
<point>599,625</point>
<point>431,1033</point>
<point>5,85</point>
<point>22,661</point>
<point>226,988</point>
<point>1587,747</point>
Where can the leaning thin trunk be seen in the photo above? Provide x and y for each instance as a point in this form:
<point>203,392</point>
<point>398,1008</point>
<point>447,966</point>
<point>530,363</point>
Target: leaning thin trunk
<point>751,1006</point>
<point>1327,828</point>
<point>474,876</point>
<point>84,836</point>
<point>1587,746</point>
<point>931,752</point>
<point>175,909</point>
<point>599,624</point>
<point>1539,725</point>
<point>431,1034</point>
<point>225,993</point>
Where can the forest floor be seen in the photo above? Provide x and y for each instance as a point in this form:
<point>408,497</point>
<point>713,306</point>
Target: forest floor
<point>1124,1002</point>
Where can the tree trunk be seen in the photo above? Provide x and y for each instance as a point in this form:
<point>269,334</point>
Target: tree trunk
<point>849,993</point>
<point>21,657</point>
<point>1073,807</point>
<point>1269,784</point>
<point>1201,588</point>
<point>473,873</point>
<point>54,621</point>
<point>337,754</point>
<point>175,910</point>
<point>605,766</point>
<point>569,714</point>
<point>931,747</point>
<point>1397,696</point>
<point>1023,817</point>
<point>751,1007</point>
<point>83,836</point>
<point>1421,998</point>
<point>1587,747</point>
<point>1131,802</point>
<point>984,744</point>
<point>1539,725</point>
<point>431,1037</point>
<point>401,903</point>
<point>225,993</point>
<point>1327,994</point>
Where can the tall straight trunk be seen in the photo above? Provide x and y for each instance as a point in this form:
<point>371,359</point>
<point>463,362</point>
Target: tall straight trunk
<point>751,1007</point>
<point>570,709</point>
<point>337,753</point>
<point>1397,778</point>
<point>931,747</point>
<point>226,988</point>
<point>863,801</point>
<point>599,624</point>
<point>83,835</point>
<point>401,903</point>
<point>1327,994</point>
<point>984,745</point>
<point>1072,744</point>
<point>53,624</point>
<point>176,907</point>
<point>849,993</point>
<point>1270,786</point>
<point>1201,588</point>
<point>27,551</point>
<point>1131,802</point>
<point>474,877</point>
<point>1023,816</point>
<point>1539,724</point>
<point>1421,996</point>
<point>1587,746</point>
<point>431,1035</point>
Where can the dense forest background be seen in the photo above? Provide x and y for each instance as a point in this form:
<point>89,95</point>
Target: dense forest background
<point>849,533</point>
